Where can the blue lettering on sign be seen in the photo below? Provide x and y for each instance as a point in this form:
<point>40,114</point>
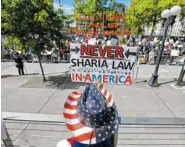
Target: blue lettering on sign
<point>111,79</point>
<point>96,77</point>
<point>121,81</point>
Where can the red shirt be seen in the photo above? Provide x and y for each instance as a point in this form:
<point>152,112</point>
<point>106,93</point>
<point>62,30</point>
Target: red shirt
<point>61,52</point>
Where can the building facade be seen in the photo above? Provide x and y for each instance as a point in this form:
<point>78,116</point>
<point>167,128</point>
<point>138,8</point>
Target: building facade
<point>120,8</point>
<point>175,31</point>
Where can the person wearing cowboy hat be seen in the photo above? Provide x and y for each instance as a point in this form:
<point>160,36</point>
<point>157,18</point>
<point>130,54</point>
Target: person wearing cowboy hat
<point>92,118</point>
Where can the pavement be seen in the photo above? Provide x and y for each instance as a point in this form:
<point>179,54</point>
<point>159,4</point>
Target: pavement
<point>29,95</point>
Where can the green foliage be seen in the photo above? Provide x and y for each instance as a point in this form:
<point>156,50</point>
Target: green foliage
<point>148,13</point>
<point>143,13</point>
<point>91,7</point>
<point>13,43</point>
<point>69,20</point>
<point>23,19</point>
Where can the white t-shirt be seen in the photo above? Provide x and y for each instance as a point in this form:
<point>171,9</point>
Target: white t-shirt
<point>175,53</point>
<point>112,41</point>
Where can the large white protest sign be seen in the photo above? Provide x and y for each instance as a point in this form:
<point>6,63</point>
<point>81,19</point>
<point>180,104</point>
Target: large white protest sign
<point>108,64</point>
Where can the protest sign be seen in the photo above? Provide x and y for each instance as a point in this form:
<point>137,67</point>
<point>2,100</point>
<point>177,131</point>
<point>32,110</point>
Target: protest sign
<point>108,64</point>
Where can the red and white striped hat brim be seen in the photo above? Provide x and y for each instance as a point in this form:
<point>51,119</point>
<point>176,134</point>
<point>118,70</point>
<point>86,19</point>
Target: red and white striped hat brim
<point>80,132</point>
<point>65,143</point>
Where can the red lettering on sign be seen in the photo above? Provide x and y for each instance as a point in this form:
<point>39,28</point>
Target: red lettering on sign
<point>105,78</point>
<point>78,77</point>
<point>88,78</point>
<point>110,51</point>
<point>119,52</point>
<point>94,50</point>
<point>128,80</point>
<point>116,81</point>
<point>85,49</point>
<point>102,51</point>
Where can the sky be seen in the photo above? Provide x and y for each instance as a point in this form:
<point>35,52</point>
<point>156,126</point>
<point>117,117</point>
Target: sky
<point>68,4</point>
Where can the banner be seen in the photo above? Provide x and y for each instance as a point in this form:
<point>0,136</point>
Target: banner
<point>113,32</point>
<point>108,64</point>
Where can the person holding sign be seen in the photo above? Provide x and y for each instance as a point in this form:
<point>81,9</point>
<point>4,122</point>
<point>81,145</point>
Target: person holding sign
<point>92,118</point>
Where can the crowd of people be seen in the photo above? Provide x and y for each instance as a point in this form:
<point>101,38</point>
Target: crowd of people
<point>148,48</point>
<point>173,53</point>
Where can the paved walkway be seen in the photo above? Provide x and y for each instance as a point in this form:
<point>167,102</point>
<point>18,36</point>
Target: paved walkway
<point>28,94</point>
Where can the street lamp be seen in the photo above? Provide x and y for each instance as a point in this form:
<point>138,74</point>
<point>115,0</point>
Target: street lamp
<point>181,76</point>
<point>108,4</point>
<point>168,16</point>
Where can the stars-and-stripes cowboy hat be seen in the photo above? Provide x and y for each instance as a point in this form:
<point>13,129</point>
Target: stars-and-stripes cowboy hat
<point>91,116</point>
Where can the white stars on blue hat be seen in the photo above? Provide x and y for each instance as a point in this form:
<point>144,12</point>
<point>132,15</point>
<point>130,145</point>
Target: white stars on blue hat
<point>93,110</point>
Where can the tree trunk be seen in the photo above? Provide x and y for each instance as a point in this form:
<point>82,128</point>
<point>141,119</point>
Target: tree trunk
<point>44,78</point>
<point>153,25</point>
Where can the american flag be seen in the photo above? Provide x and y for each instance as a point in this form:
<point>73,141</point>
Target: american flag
<point>81,132</point>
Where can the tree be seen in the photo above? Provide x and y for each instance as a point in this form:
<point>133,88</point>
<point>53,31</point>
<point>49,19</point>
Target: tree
<point>33,23</point>
<point>13,43</point>
<point>148,13</point>
<point>143,13</point>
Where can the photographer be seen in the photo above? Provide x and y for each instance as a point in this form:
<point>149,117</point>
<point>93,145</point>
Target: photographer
<point>19,63</point>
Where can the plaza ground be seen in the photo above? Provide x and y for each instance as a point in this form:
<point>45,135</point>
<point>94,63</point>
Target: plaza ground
<point>27,97</point>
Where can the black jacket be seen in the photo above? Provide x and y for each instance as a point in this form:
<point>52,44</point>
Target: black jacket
<point>18,60</point>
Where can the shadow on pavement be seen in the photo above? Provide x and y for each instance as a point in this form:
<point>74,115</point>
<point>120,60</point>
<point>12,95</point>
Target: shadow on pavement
<point>7,76</point>
<point>168,82</point>
<point>63,82</point>
<point>53,73</point>
<point>142,81</point>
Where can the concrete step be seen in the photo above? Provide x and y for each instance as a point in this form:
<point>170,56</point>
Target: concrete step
<point>150,132</point>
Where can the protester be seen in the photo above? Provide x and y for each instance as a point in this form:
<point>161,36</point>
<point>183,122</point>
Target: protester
<point>61,54</point>
<point>174,54</point>
<point>152,55</point>
<point>19,63</point>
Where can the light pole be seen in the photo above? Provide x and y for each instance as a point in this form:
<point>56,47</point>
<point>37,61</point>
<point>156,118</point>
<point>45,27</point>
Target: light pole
<point>181,76</point>
<point>169,16</point>
<point>104,6</point>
